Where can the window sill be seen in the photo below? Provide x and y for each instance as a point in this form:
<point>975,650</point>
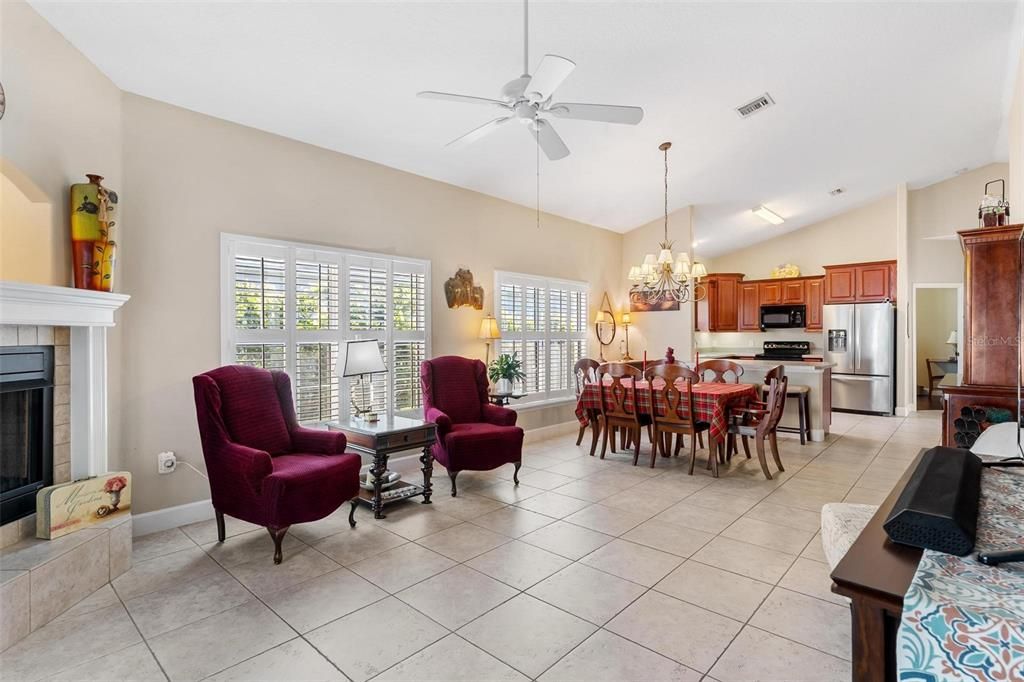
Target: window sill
<point>537,404</point>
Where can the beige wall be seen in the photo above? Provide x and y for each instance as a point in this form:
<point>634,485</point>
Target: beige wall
<point>654,332</point>
<point>862,234</point>
<point>936,315</point>
<point>940,210</point>
<point>63,120</point>
<point>1016,189</point>
<point>191,177</point>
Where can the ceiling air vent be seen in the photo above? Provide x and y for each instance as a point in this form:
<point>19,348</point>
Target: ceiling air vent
<point>836,192</point>
<point>754,106</point>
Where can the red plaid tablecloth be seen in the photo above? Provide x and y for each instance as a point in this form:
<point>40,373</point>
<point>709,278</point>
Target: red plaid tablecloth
<point>711,401</point>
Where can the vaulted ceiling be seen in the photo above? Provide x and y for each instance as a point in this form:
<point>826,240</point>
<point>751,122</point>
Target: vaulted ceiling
<point>867,94</point>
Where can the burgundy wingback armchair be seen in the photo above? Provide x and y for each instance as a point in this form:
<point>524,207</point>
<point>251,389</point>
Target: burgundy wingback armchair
<point>472,434</point>
<point>264,468</point>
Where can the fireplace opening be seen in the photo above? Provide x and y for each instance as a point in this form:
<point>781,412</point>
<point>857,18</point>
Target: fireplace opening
<point>26,428</point>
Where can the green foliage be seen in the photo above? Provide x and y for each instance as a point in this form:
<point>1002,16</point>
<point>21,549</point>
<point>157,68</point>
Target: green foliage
<point>506,367</point>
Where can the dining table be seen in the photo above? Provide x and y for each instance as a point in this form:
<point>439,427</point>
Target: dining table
<point>712,403</point>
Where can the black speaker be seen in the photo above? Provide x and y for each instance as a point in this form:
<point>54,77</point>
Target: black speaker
<point>938,509</point>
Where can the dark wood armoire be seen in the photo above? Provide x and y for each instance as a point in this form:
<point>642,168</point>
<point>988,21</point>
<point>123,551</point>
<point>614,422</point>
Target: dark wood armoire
<point>990,345</point>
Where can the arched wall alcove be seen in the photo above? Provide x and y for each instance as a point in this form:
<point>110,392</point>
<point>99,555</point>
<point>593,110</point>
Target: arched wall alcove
<point>27,248</point>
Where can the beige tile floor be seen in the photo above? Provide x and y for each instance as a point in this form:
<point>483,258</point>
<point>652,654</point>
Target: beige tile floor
<point>590,570</point>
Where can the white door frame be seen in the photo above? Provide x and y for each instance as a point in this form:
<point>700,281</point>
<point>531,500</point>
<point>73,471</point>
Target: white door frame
<point>959,286</point>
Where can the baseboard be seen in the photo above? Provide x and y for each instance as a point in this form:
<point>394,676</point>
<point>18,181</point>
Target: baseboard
<point>171,517</point>
<point>902,412</point>
<point>545,432</point>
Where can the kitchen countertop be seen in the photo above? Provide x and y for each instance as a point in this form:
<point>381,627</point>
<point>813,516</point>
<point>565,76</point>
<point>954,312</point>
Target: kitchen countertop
<point>792,366</point>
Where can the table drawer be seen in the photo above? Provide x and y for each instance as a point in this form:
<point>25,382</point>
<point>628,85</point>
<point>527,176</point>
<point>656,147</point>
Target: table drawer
<point>397,440</point>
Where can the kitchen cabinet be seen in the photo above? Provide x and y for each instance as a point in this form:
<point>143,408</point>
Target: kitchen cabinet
<point>815,295</point>
<point>860,282</point>
<point>793,293</point>
<point>770,293</point>
<point>749,307</point>
<point>719,311</point>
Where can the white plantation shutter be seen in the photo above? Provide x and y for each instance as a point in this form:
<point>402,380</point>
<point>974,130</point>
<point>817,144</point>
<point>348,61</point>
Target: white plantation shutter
<point>291,306</point>
<point>543,321</point>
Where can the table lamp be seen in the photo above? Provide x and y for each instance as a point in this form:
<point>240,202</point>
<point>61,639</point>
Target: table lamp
<point>953,341</point>
<point>488,332</point>
<point>358,359</point>
<point>625,325</point>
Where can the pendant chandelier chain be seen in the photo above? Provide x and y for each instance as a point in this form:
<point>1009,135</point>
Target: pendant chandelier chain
<point>666,194</point>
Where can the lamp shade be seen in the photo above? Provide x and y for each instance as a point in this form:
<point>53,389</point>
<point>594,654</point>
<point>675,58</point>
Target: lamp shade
<point>489,328</point>
<point>360,357</point>
<point>649,260</point>
<point>698,270</point>
<point>625,318</point>
<point>601,317</point>
<point>952,337</point>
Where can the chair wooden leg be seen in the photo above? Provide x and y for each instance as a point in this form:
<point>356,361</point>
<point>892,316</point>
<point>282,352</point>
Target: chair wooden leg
<point>680,442</point>
<point>700,438</point>
<point>760,456</point>
<point>693,451</point>
<point>807,414</point>
<point>716,450</point>
<point>627,435</point>
<point>636,446</point>
<point>452,475</point>
<point>775,451</point>
<point>614,438</point>
<point>352,512</point>
<point>595,427</point>
<point>800,412</point>
<point>746,447</point>
<point>579,436</point>
<point>657,443</point>
<point>221,534</point>
<point>515,473</point>
<point>604,440</point>
<point>278,536</point>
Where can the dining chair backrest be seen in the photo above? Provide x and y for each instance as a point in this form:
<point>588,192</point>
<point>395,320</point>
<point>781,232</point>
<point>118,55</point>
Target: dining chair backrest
<point>777,373</point>
<point>776,405</point>
<point>618,398</point>
<point>664,381</point>
<point>585,372</point>
<point>718,369</point>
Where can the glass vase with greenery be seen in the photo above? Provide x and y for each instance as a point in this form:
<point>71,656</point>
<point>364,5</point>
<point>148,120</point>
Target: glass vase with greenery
<point>504,370</point>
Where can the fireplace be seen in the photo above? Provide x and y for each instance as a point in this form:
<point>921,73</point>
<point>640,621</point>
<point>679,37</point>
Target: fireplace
<point>26,427</point>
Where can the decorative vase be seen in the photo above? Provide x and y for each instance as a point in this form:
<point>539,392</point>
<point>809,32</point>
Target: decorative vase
<point>503,387</point>
<point>92,220</point>
<point>115,498</point>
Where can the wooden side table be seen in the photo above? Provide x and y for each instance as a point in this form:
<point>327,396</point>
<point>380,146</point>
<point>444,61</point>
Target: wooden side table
<point>379,440</point>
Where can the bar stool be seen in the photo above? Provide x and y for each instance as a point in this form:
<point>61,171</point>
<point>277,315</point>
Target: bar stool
<point>802,395</point>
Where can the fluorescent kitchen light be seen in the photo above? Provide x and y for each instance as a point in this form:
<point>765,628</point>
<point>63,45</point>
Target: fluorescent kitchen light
<point>764,213</point>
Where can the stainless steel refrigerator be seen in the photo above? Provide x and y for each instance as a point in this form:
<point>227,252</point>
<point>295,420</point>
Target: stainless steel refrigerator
<point>860,338</point>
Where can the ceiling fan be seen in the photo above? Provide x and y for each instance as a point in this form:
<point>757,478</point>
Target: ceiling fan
<point>528,99</point>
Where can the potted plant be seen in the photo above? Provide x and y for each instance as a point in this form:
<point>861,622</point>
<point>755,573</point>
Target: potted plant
<point>503,371</point>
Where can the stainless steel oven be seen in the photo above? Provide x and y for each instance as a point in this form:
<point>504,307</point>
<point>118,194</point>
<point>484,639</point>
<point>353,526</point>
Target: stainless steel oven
<point>783,316</point>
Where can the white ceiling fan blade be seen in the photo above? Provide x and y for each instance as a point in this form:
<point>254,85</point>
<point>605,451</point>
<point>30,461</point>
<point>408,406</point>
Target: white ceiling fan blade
<point>607,113</point>
<point>477,133</point>
<point>468,99</point>
<point>548,76</point>
<point>549,140</point>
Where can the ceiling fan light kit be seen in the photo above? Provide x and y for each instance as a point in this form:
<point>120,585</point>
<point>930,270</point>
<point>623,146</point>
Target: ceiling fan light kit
<point>528,99</point>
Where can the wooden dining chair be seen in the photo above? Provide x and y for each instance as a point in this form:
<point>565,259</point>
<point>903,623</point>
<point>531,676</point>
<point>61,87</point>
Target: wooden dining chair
<point>680,413</point>
<point>718,370</point>
<point>585,372</point>
<point>619,406</point>
<point>776,373</point>
<point>761,424</point>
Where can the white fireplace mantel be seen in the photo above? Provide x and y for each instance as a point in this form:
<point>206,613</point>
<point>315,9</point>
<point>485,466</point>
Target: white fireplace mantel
<point>88,314</point>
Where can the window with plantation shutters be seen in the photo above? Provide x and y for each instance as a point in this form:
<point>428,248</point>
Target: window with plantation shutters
<point>291,307</point>
<point>543,322</point>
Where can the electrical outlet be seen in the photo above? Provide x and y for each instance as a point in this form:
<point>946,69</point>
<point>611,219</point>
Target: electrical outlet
<point>166,462</point>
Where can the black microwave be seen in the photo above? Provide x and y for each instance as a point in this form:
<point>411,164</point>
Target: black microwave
<point>783,316</point>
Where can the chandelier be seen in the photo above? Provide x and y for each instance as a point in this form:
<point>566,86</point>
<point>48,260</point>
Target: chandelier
<point>667,278</point>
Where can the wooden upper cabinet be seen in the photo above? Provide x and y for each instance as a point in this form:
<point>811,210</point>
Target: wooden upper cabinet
<point>749,307</point>
<point>770,293</point>
<point>815,293</point>
<point>840,284</point>
<point>719,311</point>
<point>794,293</point>
<point>860,282</point>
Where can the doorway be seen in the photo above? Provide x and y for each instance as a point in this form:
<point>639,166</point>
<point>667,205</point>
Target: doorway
<point>936,341</point>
